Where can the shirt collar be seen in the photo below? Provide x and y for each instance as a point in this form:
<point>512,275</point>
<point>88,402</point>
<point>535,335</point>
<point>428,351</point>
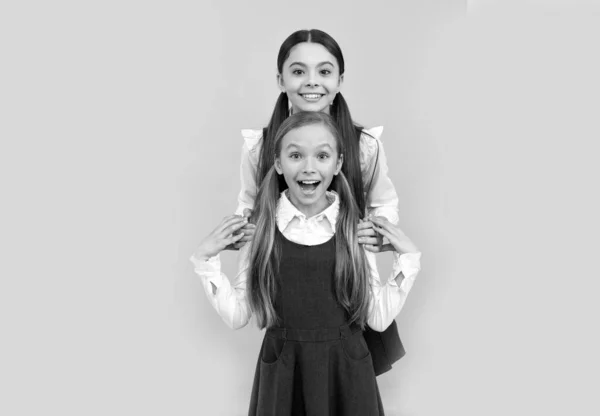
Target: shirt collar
<point>286,211</point>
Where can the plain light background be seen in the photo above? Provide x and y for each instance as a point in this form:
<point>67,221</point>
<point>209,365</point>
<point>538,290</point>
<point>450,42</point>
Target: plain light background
<point>120,150</point>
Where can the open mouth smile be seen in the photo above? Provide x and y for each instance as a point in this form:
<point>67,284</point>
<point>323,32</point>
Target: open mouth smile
<point>308,186</point>
<point>312,96</point>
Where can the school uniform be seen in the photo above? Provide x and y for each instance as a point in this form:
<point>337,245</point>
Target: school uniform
<point>381,200</point>
<point>312,362</point>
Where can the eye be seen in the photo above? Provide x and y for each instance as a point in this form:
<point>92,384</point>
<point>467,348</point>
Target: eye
<point>326,72</point>
<point>323,156</point>
<point>294,156</point>
<point>297,72</point>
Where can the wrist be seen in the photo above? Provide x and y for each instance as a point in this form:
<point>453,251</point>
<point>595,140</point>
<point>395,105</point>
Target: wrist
<point>201,254</point>
<point>408,248</point>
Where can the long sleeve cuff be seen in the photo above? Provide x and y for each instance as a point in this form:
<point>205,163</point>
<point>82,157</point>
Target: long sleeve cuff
<point>406,267</point>
<point>209,269</point>
<point>229,300</point>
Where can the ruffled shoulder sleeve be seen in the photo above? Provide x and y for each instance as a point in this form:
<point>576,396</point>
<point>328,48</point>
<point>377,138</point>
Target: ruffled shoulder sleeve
<point>252,139</point>
<point>382,199</point>
<point>248,166</point>
<point>369,146</point>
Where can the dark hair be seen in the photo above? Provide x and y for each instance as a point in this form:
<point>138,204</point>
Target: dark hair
<point>351,276</point>
<point>340,112</point>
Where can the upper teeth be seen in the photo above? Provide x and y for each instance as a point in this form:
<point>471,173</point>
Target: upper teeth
<point>309,182</point>
<point>312,95</point>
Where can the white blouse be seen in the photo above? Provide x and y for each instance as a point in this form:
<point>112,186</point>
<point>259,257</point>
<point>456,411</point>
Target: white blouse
<point>229,298</point>
<point>382,200</point>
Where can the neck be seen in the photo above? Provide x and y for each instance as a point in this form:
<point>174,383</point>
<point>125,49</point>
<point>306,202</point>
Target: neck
<point>313,209</point>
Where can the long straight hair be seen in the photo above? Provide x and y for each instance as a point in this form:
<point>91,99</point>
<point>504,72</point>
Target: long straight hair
<point>351,269</point>
<point>350,132</point>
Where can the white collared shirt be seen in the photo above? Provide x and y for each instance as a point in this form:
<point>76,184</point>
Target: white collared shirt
<point>229,298</point>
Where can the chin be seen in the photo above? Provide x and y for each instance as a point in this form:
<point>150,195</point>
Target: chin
<point>315,108</point>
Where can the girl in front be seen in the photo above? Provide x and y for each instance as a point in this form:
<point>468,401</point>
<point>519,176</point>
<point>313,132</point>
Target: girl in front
<point>312,291</point>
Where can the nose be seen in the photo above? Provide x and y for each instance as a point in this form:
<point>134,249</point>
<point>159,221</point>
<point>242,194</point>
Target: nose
<point>309,165</point>
<point>312,80</point>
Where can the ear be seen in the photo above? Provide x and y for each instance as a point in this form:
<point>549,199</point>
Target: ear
<point>280,82</point>
<point>278,166</point>
<point>338,166</point>
<point>340,81</point>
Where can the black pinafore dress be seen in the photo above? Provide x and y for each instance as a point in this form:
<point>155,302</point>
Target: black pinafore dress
<point>313,363</point>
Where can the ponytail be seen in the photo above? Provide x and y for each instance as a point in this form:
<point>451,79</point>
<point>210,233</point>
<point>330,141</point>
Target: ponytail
<point>351,270</point>
<point>264,252</point>
<point>351,135</point>
<point>267,154</point>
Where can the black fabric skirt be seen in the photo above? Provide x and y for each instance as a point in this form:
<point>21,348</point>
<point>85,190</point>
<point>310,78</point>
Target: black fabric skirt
<point>319,372</point>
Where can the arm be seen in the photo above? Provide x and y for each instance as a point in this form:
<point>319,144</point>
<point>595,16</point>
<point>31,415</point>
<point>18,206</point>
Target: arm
<point>389,295</point>
<point>382,199</point>
<point>248,165</point>
<point>227,298</point>
<point>249,189</point>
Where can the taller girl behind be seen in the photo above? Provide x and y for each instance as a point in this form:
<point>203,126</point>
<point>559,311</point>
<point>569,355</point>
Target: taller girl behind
<point>310,75</point>
<point>311,68</point>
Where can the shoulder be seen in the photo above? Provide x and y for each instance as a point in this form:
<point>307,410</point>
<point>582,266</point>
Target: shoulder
<point>371,133</point>
<point>252,139</point>
<point>370,140</point>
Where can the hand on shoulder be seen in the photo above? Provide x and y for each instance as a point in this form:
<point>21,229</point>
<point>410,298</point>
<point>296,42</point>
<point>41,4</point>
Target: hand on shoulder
<point>398,240</point>
<point>221,237</point>
<point>247,230</point>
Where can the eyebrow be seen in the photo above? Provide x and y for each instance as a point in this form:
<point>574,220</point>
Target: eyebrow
<point>302,64</point>
<point>317,147</point>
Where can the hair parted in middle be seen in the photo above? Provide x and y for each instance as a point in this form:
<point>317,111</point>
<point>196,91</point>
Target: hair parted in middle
<point>351,268</point>
<point>349,130</point>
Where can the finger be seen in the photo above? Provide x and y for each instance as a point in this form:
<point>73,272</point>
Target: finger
<point>366,233</point>
<point>247,212</point>
<point>232,225</point>
<point>228,221</point>
<point>234,238</point>
<point>229,218</point>
<point>362,225</point>
<point>387,247</point>
<point>231,247</point>
<point>239,244</point>
<point>372,248</point>
<point>246,238</point>
<point>378,220</point>
<point>236,219</point>
<point>234,229</point>
<point>249,230</point>
<point>371,241</point>
<point>385,223</point>
<point>383,232</point>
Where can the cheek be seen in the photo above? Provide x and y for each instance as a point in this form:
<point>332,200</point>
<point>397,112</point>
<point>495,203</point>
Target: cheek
<point>291,85</point>
<point>329,171</point>
<point>333,85</point>
<point>288,171</point>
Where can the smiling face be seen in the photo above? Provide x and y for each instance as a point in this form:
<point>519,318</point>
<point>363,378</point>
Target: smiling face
<point>310,77</point>
<point>308,161</point>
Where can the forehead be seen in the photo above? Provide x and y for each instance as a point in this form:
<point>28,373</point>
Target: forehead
<point>310,53</point>
<point>309,137</point>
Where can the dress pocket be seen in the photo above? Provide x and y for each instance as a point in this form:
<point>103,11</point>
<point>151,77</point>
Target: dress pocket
<point>355,347</point>
<point>272,350</point>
